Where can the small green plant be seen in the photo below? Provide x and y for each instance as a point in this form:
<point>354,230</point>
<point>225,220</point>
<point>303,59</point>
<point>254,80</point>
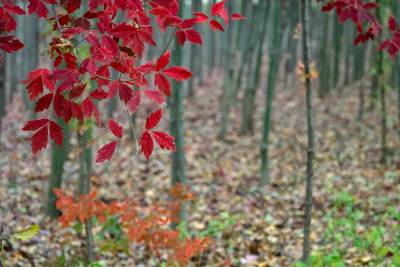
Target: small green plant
<point>24,235</point>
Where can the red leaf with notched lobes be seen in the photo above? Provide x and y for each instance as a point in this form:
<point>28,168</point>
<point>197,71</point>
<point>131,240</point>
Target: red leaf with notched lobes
<point>77,111</point>
<point>44,102</point>
<point>99,94</point>
<point>56,134</point>
<point>201,18</point>
<point>177,73</point>
<point>180,37</point>
<point>216,25</point>
<point>156,96</point>
<point>164,140</point>
<point>106,152</point>
<point>147,144</point>
<point>134,102</point>
<point>392,24</point>
<point>89,108</point>
<point>39,7</point>
<point>154,119</point>
<point>163,61</point>
<point>115,128</point>
<point>193,37</point>
<point>9,44</point>
<point>59,104</point>
<point>237,16</point>
<point>163,84</point>
<point>37,79</point>
<point>189,23</point>
<point>34,125</point>
<point>39,139</point>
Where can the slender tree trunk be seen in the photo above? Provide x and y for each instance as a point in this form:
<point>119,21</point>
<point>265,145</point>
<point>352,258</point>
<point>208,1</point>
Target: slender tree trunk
<point>2,91</point>
<point>212,48</point>
<point>305,17</point>
<point>178,173</point>
<point>227,96</point>
<point>251,88</point>
<point>58,157</point>
<point>194,56</point>
<point>324,63</point>
<point>272,73</point>
<point>84,189</point>
<point>381,85</point>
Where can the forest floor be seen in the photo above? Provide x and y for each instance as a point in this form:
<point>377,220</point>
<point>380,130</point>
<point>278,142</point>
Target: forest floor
<point>356,198</point>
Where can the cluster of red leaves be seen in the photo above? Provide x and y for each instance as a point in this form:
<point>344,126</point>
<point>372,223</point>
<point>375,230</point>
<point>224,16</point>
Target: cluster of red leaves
<point>150,229</point>
<point>112,44</point>
<point>360,14</point>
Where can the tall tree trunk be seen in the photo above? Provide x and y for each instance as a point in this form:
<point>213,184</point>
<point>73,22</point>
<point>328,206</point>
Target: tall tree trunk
<point>2,91</point>
<point>381,84</point>
<point>194,56</point>
<point>252,85</point>
<point>324,63</point>
<point>272,73</point>
<point>305,17</point>
<point>212,48</point>
<point>178,170</point>
<point>228,79</point>
<point>84,189</point>
<point>58,157</point>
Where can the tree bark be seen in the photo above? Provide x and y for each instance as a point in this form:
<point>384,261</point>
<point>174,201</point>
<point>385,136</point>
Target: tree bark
<point>305,17</point>
<point>178,170</point>
<point>272,73</point>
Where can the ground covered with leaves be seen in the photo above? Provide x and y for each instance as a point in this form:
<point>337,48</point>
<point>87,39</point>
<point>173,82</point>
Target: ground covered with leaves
<point>356,198</point>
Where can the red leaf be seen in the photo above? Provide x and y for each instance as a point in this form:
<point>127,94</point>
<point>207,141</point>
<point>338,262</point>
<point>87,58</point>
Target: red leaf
<point>123,31</point>
<point>67,112</point>
<point>193,37</point>
<point>163,61</point>
<point>39,139</point>
<point>36,79</point>
<point>77,91</point>
<point>163,84</point>
<point>164,140</point>
<point>9,44</point>
<point>154,119</point>
<point>156,96</point>
<point>115,128</point>
<point>177,73</point>
<point>216,9</point>
<point>392,24</point>
<point>201,17</point>
<point>39,7</point>
<point>237,16</point>
<point>88,65</point>
<point>44,102</point>
<point>180,37</point>
<point>99,94</point>
<point>34,125</point>
<point>125,92</point>
<point>147,144</point>
<point>134,102</point>
<point>106,152</point>
<point>189,23</point>
<point>56,134</point>
<point>216,25</point>
<point>88,107</point>
<point>77,111</point>
<point>59,104</point>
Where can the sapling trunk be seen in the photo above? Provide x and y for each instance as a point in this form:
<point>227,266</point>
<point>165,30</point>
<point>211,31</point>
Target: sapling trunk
<point>84,189</point>
<point>305,17</point>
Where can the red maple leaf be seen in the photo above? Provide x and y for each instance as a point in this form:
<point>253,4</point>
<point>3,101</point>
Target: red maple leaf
<point>164,140</point>
<point>216,25</point>
<point>193,37</point>
<point>115,128</point>
<point>34,125</point>
<point>44,102</point>
<point>154,119</point>
<point>134,102</point>
<point>147,144</point>
<point>9,44</point>
<point>39,7</point>
<point>156,96</point>
<point>163,84</point>
<point>106,152</point>
<point>177,73</point>
<point>56,134</point>
<point>39,139</point>
<point>36,79</point>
